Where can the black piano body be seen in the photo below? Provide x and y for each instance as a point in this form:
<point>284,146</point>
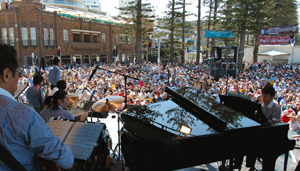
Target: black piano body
<point>151,139</point>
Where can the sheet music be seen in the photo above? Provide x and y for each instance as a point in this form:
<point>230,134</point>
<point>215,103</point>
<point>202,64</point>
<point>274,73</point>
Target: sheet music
<point>83,138</point>
<point>60,128</point>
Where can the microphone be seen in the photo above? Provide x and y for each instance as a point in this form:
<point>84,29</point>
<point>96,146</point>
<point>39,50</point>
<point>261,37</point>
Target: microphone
<point>93,73</point>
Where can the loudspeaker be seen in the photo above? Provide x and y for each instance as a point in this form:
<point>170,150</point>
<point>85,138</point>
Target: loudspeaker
<point>232,72</point>
<point>224,66</point>
<point>217,74</point>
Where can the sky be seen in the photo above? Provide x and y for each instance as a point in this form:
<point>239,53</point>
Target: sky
<point>160,6</point>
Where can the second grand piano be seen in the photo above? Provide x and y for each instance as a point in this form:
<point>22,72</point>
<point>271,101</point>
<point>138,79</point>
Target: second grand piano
<point>151,139</point>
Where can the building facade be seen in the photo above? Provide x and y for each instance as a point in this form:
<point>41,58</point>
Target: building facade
<point>35,32</point>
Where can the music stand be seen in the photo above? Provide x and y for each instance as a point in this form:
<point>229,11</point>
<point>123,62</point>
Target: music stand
<point>20,89</point>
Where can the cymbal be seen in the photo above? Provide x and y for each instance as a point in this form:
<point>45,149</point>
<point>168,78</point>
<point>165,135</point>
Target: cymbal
<point>108,103</point>
<point>73,98</point>
<point>77,112</point>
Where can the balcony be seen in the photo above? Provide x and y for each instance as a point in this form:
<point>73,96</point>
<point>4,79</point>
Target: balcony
<point>86,45</point>
<point>126,46</point>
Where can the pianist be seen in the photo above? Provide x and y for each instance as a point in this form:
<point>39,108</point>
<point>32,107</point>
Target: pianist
<point>272,112</point>
<point>270,109</point>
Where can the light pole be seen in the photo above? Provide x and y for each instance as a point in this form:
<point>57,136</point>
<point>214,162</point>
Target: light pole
<point>158,55</point>
<point>159,41</point>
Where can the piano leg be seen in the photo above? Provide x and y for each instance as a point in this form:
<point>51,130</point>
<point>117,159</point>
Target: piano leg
<point>269,163</point>
<point>286,156</point>
<point>231,164</point>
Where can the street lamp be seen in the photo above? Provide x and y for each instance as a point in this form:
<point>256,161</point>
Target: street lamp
<point>159,40</point>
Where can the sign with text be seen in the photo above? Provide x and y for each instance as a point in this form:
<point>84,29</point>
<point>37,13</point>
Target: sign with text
<point>280,40</point>
<point>281,30</point>
<point>219,34</point>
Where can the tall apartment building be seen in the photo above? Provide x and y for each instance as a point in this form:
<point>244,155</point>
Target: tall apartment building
<point>82,5</point>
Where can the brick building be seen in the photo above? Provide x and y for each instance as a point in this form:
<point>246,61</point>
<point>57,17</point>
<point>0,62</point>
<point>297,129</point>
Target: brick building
<point>30,29</point>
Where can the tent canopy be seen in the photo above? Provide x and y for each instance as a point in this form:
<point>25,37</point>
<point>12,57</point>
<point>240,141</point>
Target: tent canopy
<point>273,52</point>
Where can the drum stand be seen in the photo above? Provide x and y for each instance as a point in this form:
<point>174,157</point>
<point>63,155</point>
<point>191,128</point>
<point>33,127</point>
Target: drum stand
<point>118,146</point>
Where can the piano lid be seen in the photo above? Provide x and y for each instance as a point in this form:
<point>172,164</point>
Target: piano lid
<point>171,115</point>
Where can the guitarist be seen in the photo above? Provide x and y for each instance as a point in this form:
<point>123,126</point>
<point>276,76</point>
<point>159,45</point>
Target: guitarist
<point>23,133</point>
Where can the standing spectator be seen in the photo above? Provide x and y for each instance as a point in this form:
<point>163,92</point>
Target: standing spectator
<point>293,123</point>
<point>55,73</point>
<point>35,95</point>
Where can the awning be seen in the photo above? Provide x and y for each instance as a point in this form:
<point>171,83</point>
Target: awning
<point>273,52</point>
<point>85,31</point>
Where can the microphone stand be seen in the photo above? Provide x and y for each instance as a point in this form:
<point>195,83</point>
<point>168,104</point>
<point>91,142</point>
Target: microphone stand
<point>125,107</point>
<point>125,79</point>
<point>168,76</point>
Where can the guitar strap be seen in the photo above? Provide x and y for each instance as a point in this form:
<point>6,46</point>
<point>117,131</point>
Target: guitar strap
<point>9,160</point>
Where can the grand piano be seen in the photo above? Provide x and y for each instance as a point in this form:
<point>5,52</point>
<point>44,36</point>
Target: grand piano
<point>151,139</point>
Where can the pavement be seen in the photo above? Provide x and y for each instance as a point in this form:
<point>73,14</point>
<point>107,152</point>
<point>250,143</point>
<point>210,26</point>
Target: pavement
<point>112,126</point>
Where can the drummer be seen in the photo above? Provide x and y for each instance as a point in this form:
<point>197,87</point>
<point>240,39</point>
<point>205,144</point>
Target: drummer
<point>57,107</point>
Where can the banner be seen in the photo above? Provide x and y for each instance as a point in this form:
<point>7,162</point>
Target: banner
<point>219,34</point>
<point>291,29</point>
<point>282,40</point>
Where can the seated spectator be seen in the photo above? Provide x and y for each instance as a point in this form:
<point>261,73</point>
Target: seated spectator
<point>130,101</point>
<point>138,102</point>
<point>294,125</point>
<point>147,102</point>
<point>284,117</point>
<point>159,99</point>
<point>153,98</point>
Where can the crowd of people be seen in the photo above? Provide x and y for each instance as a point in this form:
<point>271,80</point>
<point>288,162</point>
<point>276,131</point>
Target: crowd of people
<point>146,80</point>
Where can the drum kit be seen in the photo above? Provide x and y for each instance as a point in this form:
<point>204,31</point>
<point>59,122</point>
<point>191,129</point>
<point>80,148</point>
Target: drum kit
<point>103,105</point>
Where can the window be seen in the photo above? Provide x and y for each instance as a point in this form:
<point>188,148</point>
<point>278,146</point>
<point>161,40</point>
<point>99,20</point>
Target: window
<point>51,37</point>
<point>103,38</point>
<point>24,36</point>
<point>86,38</point>
<point>76,37</point>
<point>4,35</point>
<point>129,41</point>
<point>66,36</point>
<point>124,39</point>
<point>116,39</point>
<point>95,37</point>
<point>46,43</point>
<point>33,36</point>
<point>11,36</point>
